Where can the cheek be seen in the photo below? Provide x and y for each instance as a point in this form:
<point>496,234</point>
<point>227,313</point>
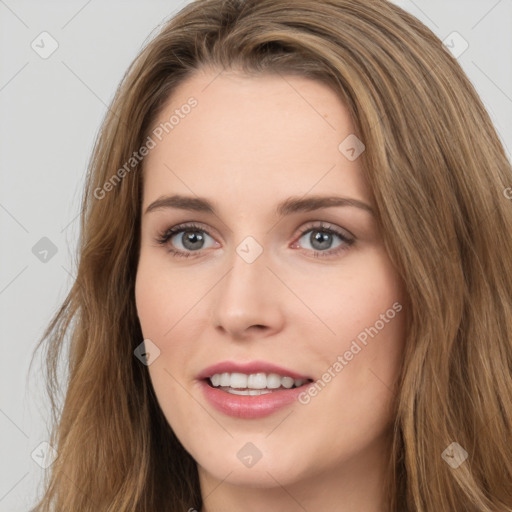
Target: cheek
<point>161,297</point>
<point>171,308</point>
<point>352,297</point>
<point>363,316</point>
<point>359,364</point>
<point>162,302</point>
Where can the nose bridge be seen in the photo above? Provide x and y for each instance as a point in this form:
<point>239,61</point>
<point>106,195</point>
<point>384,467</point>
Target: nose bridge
<point>248,269</point>
<point>248,295</point>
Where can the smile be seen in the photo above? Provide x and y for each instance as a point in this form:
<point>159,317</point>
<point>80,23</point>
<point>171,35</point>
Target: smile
<point>254,384</point>
<point>251,390</point>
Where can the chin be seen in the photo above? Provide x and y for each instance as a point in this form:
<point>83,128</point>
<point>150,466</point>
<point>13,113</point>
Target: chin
<point>261,475</point>
<point>239,462</point>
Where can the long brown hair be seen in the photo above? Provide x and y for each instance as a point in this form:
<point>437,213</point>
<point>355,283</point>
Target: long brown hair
<point>439,176</point>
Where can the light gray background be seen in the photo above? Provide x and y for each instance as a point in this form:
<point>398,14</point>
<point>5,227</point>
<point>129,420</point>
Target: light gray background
<point>51,110</point>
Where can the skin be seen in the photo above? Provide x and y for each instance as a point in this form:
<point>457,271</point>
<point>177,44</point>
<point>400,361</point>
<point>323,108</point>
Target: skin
<point>250,143</point>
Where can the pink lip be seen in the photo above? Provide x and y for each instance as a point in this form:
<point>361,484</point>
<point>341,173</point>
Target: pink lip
<point>251,367</point>
<point>249,407</point>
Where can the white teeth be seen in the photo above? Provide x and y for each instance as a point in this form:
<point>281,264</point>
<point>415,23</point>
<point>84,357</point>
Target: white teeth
<point>238,380</point>
<point>287,382</point>
<point>255,383</point>
<point>273,381</point>
<point>252,392</point>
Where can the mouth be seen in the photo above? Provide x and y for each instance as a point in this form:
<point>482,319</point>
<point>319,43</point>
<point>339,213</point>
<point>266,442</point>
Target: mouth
<point>251,390</point>
<point>255,384</point>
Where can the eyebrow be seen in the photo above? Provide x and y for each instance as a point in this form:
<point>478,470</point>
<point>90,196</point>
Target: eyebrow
<point>287,207</point>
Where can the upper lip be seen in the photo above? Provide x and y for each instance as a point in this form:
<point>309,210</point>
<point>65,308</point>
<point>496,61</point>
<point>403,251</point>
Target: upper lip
<point>248,368</point>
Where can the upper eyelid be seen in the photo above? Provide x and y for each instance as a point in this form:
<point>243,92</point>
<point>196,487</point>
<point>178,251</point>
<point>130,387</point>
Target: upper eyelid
<point>179,228</point>
<point>327,226</point>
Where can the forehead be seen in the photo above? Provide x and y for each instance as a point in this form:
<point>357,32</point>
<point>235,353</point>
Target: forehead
<point>249,135</point>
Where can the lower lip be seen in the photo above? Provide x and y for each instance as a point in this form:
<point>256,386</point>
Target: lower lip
<point>250,407</point>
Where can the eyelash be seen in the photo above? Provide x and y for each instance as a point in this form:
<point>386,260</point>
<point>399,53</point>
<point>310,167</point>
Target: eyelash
<point>163,238</point>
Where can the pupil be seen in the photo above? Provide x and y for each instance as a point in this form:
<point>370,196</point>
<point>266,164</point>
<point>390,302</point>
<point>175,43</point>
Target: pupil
<point>323,240</point>
<point>192,238</point>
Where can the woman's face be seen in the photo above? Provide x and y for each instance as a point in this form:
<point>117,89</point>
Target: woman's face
<point>270,279</point>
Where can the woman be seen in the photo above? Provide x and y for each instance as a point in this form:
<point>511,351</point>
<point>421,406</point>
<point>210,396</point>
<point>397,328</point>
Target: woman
<point>294,288</point>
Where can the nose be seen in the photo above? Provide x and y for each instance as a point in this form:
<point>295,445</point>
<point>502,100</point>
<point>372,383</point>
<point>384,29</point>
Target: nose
<point>249,300</point>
